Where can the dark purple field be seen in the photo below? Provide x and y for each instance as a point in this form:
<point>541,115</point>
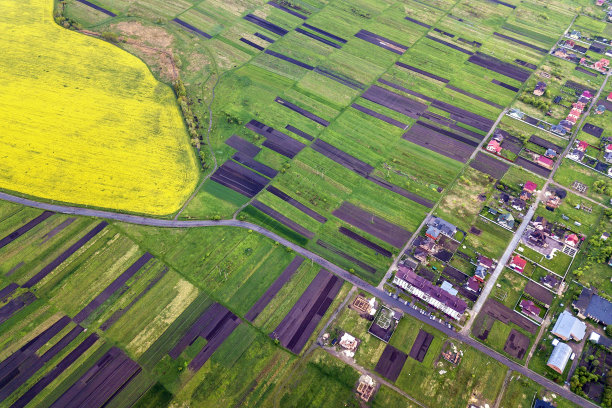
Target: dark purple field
<point>380,116</point>
<point>499,66</point>
<point>586,71</point>
<point>548,145</point>
<point>7,291</point>
<point>489,165</point>
<point>472,43</point>
<point>393,101</point>
<point>273,289</point>
<point>450,45</point>
<point>325,33</point>
<point>364,241</point>
<point>503,3</point>
<point>108,376</point>
<point>439,119</point>
<point>239,179</point>
<point>318,38</point>
<point>287,222</point>
<point>275,140</point>
<point>255,165</point>
<point>406,90</point>
<point>252,44</point>
<point>421,345</point>
<point>289,59</point>
<point>525,64</point>
<point>302,111</point>
<point>57,261</point>
<point>422,24</point>
<point>117,314</point>
<point>391,362</point>
<point>299,132</point>
<point>464,116</point>
<point>346,256</point>
<point>112,288</point>
<point>290,200</point>
<point>539,293</point>
<point>382,42</point>
<point>455,275</point>
<point>245,147</point>
<point>15,305</point>
<point>215,324</point>
<point>341,79</point>
<point>473,96</point>
<point>531,166</point>
<point>439,143</point>
<point>520,42</point>
<point>465,131</point>
<point>444,33</point>
<point>56,230</point>
<point>452,135</point>
<point>422,72</point>
<point>505,85</point>
<point>591,130</point>
<point>342,158</point>
<point>66,362</point>
<point>264,37</point>
<point>398,190</point>
<point>372,224</point>
<point>192,28</point>
<point>24,363</point>
<point>96,7</point>
<point>297,326</point>
<point>273,28</point>
<point>25,228</point>
<point>287,10</point>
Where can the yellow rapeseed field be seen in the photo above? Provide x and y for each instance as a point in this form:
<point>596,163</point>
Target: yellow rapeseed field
<point>82,121</point>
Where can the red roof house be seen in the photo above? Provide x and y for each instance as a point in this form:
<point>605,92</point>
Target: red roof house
<point>528,307</point>
<point>609,98</point>
<point>582,145</point>
<point>575,112</point>
<point>518,264</point>
<point>609,148</point>
<point>587,94</point>
<point>578,105</point>
<point>494,146</point>
<point>473,284</point>
<point>545,161</point>
<point>572,240</point>
<point>530,186</point>
<point>571,119</point>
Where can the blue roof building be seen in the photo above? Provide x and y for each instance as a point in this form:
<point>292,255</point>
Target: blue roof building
<point>569,327</point>
<point>559,357</point>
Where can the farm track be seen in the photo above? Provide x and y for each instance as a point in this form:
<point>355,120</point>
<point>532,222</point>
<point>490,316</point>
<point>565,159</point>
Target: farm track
<point>347,276</point>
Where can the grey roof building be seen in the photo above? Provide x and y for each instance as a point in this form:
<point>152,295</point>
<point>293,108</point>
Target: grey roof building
<point>594,307</point>
<point>569,327</point>
<point>559,357</point>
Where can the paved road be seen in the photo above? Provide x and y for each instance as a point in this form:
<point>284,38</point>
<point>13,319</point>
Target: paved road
<point>484,295</point>
<point>347,276</point>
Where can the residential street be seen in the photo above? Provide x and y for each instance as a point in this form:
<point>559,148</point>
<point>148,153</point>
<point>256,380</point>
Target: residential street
<point>347,276</point>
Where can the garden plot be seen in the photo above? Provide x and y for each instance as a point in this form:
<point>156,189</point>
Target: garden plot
<point>489,165</point>
<point>391,363</point>
<point>382,42</point>
<point>439,143</point>
<point>393,101</point>
<point>499,66</point>
<point>239,178</point>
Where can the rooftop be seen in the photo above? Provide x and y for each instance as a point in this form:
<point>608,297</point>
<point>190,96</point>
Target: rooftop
<point>568,326</point>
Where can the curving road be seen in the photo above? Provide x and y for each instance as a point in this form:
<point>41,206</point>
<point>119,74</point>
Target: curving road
<point>347,276</point>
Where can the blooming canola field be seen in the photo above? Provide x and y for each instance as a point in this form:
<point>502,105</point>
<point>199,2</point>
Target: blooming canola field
<point>85,122</point>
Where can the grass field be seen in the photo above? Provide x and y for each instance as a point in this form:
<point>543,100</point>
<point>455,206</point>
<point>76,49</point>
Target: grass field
<point>570,171</point>
<point>492,240</point>
<point>520,393</point>
<point>90,127</point>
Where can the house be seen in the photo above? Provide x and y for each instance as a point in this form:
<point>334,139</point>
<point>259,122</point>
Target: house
<point>550,280</point>
<point>608,157</point>
<point>575,35</point>
<point>348,342</point>
<point>538,403</point>
<point>540,223</point>
<point>601,65</point>
<point>435,296</point>
<point>571,119</point>
<point>506,220</point>
<point>559,357</point>
<point>498,135</point>
<point>605,236</point>
<point>525,195</point>
<point>609,97</point>
<point>575,112</point>
<point>569,327</point>
<point>609,148</point>
<point>366,387</point>
<point>594,307</point>
<point>587,94</point>
<point>600,109</point>
<point>558,129</point>
<point>570,44</point>
<point>529,308</point>
<point>578,105</point>
<point>433,232</point>
<point>481,273</point>
<point>550,153</point>
<point>601,340</point>
<point>448,288</point>
<point>420,254</point>
<point>599,2</point>
<point>444,227</point>
<point>530,186</point>
<point>485,262</point>
<point>494,147</point>
<point>582,145</point>
<point>583,99</point>
<point>518,204</point>
<point>540,88</point>
<point>473,284</point>
<point>545,162</point>
<point>537,238</point>
<point>517,263</point>
<point>572,240</point>
<point>576,155</point>
<point>425,243</point>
